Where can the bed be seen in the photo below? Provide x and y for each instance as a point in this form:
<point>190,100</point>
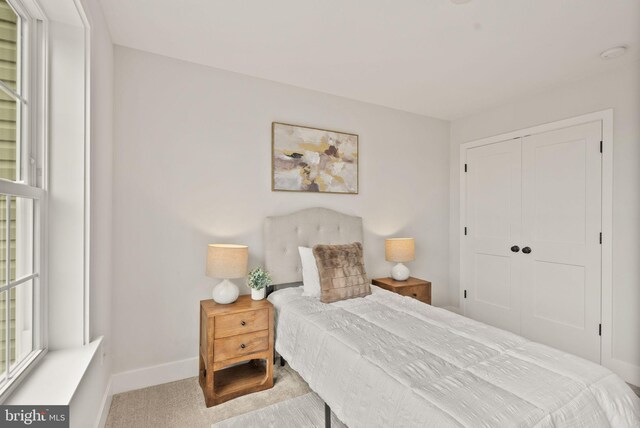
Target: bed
<point>390,361</point>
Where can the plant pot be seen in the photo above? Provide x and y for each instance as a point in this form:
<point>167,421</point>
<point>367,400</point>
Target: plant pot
<point>258,294</point>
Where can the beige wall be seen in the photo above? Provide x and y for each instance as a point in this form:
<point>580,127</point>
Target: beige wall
<point>192,166</point>
<point>619,90</point>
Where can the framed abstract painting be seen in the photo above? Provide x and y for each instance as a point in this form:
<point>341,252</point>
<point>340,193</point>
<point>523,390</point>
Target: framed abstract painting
<point>305,159</point>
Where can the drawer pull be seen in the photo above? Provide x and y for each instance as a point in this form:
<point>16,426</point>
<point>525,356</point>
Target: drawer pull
<point>242,346</point>
<point>243,323</point>
<point>414,295</point>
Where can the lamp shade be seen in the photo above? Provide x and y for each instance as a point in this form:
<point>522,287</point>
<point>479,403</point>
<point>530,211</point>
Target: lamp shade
<point>399,250</point>
<point>227,261</point>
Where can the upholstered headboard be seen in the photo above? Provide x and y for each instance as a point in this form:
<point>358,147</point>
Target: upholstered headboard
<point>306,228</point>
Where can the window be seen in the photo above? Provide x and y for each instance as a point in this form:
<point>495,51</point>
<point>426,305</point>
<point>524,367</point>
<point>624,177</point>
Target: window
<point>22,198</point>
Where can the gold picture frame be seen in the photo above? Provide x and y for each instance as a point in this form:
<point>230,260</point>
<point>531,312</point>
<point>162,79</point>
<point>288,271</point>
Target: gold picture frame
<point>313,160</point>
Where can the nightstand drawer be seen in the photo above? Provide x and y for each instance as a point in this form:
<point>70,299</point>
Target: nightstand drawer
<point>416,288</point>
<point>241,323</point>
<point>243,344</point>
<point>419,292</point>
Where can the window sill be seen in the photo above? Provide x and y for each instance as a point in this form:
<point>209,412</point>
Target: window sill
<point>56,378</point>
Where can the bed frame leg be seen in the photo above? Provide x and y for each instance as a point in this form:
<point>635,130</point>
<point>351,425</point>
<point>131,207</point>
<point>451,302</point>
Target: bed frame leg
<point>327,416</point>
<point>282,361</point>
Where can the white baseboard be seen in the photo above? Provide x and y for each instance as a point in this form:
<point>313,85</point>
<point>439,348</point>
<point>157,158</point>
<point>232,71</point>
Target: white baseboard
<point>455,309</point>
<point>154,375</point>
<point>105,406</point>
<point>629,372</point>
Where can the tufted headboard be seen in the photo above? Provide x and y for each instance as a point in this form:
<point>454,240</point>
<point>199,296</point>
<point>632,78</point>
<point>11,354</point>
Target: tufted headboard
<point>306,228</point>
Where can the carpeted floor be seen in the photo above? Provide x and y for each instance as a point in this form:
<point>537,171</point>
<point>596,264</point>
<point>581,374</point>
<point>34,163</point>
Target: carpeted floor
<point>181,404</point>
<point>304,411</point>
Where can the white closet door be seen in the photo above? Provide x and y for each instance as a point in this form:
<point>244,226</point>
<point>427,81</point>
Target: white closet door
<point>491,271</point>
<point>561,224</point>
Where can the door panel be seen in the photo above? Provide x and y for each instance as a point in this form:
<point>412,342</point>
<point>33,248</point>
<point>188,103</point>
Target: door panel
<point>561,219</point>
<point>491,273</point>
<point>491,211</point>
<point>493,280</point>
<point>559,293</point>
<point>559,181</point>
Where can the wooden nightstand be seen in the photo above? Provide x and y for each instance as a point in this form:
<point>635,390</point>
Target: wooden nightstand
<point>413,287</point>
<point>241,332</point>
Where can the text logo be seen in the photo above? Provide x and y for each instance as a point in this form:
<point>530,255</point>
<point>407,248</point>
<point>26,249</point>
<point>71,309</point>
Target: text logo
<point>34,416</point>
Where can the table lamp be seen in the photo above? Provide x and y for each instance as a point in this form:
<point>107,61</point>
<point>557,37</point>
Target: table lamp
<point>399,250</point>
<point>227,261</point>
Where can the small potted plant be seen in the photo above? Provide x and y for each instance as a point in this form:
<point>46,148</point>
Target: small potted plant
<point>258,280</point>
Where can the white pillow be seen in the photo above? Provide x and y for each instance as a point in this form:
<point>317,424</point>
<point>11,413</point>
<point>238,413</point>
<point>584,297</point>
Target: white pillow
<point>310,275</point>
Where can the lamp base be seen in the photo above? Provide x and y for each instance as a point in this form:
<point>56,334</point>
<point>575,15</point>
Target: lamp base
<point>400,272</point>
<point>225,292</point>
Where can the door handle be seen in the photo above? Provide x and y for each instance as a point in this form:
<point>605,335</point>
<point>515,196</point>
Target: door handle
<point>515,248</point>
<point>526,250</point>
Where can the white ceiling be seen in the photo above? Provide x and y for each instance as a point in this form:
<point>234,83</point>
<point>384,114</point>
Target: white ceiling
<point>430,57</point>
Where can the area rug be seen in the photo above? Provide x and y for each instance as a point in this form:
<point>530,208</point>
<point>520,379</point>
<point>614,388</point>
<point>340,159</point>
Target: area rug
<point>305,411</point>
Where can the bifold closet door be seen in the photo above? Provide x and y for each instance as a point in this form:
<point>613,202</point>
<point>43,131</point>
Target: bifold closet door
<point>491,270</point>
<point>561,225</point>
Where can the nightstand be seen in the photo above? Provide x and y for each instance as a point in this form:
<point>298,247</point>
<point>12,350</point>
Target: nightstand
<point>236,348</point>
<point>413,287</point>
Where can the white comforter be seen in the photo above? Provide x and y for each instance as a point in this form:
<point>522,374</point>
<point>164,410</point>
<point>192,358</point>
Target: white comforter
<point>391,361</point>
